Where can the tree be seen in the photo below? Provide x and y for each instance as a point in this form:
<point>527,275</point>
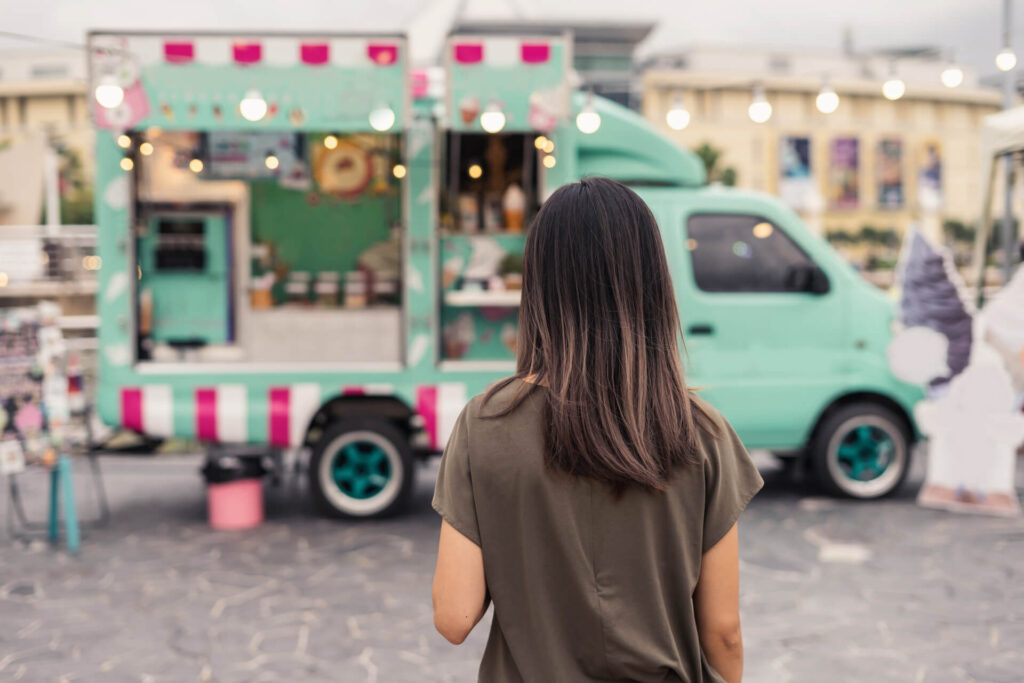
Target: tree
<point>711,156</point>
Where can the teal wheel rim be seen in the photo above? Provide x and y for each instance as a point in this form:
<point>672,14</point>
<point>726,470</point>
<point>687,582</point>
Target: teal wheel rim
<point>361,469</point>
<point>865,452</point>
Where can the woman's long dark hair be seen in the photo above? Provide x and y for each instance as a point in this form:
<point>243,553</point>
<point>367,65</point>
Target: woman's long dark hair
<point>598,327</point>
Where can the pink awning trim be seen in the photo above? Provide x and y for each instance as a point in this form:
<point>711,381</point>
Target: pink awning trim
<point>247,53</point>
<point>314,53</point>
<point>469,53</point>
<point>180,52</point>
<point>535,53</point>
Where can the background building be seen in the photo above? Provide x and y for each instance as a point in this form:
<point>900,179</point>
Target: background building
<point>43,111</point>
<point>871,164</point>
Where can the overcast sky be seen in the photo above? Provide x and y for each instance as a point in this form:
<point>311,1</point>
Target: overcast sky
<point>969,27</point>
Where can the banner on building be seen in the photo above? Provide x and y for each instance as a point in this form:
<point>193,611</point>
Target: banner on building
<point>796,184</point>
<point>890,174</point>
<point>844,165</point>
<point>929,177</point>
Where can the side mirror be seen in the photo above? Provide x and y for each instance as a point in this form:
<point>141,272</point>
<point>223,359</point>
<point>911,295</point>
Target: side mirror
<point>806,277</point>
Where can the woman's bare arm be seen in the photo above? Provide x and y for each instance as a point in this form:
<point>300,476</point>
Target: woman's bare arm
<point>460,591</point>
<point>717,604</point>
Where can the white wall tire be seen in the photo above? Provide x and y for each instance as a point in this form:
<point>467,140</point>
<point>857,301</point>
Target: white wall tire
<point>361,468</point>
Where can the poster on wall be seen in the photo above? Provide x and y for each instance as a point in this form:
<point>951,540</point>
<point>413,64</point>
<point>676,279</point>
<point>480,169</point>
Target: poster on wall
<point>844,164</point>
<point>256,155</point>
<point>890,174</point>
<point>929,177</point>
<point>796,185</point>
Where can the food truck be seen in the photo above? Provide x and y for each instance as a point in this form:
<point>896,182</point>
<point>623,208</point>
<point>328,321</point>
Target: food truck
<point>307,245</point>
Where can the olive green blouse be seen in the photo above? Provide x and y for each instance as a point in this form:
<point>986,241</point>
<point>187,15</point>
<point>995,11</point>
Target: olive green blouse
<point>586,587</point>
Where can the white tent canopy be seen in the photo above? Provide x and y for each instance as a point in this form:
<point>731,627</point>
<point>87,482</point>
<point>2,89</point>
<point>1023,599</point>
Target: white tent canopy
<point>1001,134</point>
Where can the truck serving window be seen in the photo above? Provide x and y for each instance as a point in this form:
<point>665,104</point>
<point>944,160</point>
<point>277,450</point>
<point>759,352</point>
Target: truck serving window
<point>741,253</point>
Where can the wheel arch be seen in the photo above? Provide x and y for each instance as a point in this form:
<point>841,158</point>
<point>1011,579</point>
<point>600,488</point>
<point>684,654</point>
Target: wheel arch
<point>386,407</point>
<point>864,396</point>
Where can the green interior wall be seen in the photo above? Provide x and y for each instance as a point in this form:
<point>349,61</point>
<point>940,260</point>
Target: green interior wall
<point>328,234</point>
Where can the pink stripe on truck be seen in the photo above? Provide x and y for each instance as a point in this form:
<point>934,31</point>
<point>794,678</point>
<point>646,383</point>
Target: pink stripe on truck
<point>277,416</point>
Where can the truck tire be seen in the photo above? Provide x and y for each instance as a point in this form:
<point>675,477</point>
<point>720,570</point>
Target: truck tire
<point>861,450</point>
<point>361,468</point>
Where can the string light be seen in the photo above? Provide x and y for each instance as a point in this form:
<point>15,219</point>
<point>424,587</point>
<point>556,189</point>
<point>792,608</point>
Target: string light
<point>760,109</point>
<point>677,117</point>
<point>195,165</point>
<point>123,141</point>
<point>475,171</point>
<point>146,148</point>
<point>549,161</point>
<point>127,164</point>
<point>109,93</point>
<point>331,141</point>
<point>253,107</point>
<point>492,119</point>
<point>827,100</point>
<point>272,162</point>
<point>540,141</point>
<point>382,118</point>
<point>588,120</point>
<point>894,88</point>
<point>399,171</point>
<point>1006,60</point>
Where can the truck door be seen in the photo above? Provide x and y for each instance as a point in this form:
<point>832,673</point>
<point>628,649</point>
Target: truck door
<point>763,323</point>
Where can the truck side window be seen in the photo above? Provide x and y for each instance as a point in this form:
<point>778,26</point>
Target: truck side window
<point>740,253</point>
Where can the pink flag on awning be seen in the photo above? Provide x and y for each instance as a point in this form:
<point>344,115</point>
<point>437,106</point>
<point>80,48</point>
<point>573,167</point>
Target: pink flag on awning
<point>469,53</point>
<point>382,53</point>
<point>179,52</point>
<point>247,53</point>
<point>314,53</point>
<point>535,53</point>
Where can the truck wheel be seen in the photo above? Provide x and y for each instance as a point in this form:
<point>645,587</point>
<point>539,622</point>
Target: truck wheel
<point>861,450</point>
<point>361,467</point>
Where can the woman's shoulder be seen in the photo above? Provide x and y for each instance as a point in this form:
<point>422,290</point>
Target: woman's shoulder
<point>715,435</point>
<point>499,396</point>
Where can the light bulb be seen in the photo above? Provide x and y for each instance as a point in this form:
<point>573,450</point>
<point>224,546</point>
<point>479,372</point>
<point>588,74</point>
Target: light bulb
<point>540,141</point>
<point>195,165</point>
<point>146,148</point>
<point>677,118</point>
<point>760,109</point>
<point>331,141</point>
<point>1006,59</point>
<point>549,161</point>
<point>475,171</point>
<point>827,100</point>
<point>123,141</point>
<point>952,76</point>
<point>399,171</point>
<point>127,164</point>
<point>492,119</point>
<point>588,121</point>
<point>894,88</point>
<point>382,118</point>
<point>272,162</point>
<point>253,107</point>
<point>109,92</point>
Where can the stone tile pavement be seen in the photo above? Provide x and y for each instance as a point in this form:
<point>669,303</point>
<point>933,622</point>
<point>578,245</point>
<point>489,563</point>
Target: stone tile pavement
<point>832,591</point>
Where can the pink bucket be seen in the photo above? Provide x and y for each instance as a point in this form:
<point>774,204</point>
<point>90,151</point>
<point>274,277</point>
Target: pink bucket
<point>235,504</point>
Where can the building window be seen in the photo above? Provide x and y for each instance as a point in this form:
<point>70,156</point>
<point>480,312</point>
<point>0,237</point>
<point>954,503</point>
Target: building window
<point>49,70</point>
<point>741,253</point>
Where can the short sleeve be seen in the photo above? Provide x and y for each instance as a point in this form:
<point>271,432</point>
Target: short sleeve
<point>453,493</point>
<point>730,481</point>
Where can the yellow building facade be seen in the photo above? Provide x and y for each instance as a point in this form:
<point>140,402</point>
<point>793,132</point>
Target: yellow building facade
<point>870,162</point>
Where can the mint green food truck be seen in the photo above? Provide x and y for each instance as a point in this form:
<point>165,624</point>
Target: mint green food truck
<point>307,245</point>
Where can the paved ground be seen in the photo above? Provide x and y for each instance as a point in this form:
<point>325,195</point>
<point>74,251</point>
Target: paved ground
<point>832,591</point>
